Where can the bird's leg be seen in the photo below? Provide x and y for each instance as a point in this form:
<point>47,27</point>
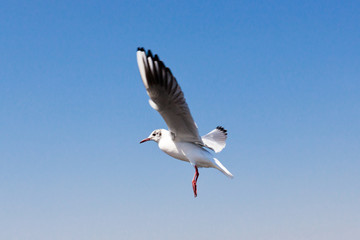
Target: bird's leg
<point>195,180</point>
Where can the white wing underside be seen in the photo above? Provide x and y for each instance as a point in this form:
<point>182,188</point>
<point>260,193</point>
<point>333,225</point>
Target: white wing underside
<point>216,139</point>
<point>167,98</point>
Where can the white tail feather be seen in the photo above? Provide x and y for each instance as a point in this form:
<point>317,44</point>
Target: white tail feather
<point>216,139</point>
<point>222,168</point>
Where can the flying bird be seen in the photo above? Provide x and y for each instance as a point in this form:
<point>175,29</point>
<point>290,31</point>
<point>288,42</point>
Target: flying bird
<point>182,141</point>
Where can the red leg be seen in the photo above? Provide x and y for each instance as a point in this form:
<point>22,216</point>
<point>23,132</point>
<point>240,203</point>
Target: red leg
<point>195,180</point>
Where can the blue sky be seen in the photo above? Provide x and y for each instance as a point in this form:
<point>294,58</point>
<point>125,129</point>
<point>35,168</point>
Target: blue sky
<point>282,77</point>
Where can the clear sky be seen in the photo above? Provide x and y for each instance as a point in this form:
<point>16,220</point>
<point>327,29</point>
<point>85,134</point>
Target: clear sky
<point>282,76</point>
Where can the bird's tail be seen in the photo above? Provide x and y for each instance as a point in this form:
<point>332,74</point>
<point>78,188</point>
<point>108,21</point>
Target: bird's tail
<point>223,169</point>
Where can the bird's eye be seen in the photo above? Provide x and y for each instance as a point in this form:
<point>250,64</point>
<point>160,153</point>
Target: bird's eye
<point>153,134</point>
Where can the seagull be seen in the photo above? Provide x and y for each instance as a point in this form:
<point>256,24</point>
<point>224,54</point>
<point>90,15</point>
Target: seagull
<point>182,141</point>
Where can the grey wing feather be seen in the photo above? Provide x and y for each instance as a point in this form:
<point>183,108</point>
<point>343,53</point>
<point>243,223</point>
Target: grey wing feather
<point>167,97</point>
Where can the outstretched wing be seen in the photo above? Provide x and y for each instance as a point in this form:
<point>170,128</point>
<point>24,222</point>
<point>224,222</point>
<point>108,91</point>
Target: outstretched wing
<point>167,98</point>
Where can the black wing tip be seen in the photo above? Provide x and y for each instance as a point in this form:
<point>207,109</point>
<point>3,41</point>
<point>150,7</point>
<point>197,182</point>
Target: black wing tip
<point>220,128</point>
<point>149,53</point>
<point>168,70</point>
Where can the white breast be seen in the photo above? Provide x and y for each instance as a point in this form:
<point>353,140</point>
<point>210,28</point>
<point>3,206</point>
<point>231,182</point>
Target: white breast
<point>170,148</point>
<point>167,145</point>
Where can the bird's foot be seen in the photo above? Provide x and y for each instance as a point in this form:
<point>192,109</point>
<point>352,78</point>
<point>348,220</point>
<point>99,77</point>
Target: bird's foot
<point>194,188</point>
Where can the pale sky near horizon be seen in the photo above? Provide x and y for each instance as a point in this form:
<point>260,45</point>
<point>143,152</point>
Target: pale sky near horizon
<point>283,77</point>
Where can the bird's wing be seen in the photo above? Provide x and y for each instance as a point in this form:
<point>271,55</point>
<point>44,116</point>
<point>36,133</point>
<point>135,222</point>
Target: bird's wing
<point>167,97</point>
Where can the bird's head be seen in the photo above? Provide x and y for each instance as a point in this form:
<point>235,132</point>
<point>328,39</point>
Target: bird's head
<point>154,136</point>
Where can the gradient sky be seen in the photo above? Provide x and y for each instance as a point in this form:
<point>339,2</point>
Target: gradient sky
<point>283,77</point>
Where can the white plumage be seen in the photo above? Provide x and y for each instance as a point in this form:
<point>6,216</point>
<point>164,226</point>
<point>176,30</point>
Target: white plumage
<point>216,139</point>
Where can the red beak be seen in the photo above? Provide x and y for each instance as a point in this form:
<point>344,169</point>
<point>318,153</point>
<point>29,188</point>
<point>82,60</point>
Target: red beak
<point>145,140</point>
